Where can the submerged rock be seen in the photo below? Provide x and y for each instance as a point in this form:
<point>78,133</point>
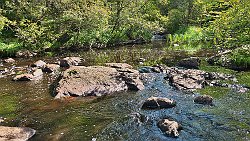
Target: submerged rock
<point>190,63</point>
<point>170,127</point>
<point>16,133</point>
<point>70,61</point>
<point>97,81</point>
<point>204,99</point>
<point>158,102</point>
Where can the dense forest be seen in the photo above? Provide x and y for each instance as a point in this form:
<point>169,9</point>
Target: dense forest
<point>51,24</point>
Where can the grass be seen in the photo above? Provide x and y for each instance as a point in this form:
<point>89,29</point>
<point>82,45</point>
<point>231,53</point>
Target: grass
<point>215,92</point>
<point>243,78</point>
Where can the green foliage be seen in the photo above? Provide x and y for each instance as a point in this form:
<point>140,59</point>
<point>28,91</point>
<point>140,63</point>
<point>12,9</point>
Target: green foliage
<point>241,56</point>
<point>191,36</point>
<point>232,29</point>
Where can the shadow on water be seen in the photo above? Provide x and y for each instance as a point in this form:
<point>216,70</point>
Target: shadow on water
<point>109,118</point>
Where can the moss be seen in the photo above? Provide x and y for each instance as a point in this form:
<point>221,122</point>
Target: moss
<point>204,66</point>
<point>243,78</point>
<point>216,92</point>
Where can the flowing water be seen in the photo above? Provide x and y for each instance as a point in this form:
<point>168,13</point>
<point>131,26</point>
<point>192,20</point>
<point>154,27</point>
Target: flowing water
<point>112,118</point>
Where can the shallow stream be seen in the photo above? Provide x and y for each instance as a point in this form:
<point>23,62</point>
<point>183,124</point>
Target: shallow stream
<point>111,118</point>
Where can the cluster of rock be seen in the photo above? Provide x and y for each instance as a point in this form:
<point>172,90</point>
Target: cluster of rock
<point>192,79</point>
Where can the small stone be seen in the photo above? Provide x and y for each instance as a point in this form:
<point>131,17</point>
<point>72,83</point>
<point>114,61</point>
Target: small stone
<point>50,68</point>
<point>119,65</point>
<point>70,61</point>
<point>39,64</point>
<point>23,77</point>
<point>37,73</point>
<point>9,60</point>
<point>170,127</point>
<point>204,99</point>
<point>158,102</point>
<point>190,63</point>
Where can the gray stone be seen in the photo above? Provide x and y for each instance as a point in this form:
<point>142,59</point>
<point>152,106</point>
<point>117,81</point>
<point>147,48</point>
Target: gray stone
<point>119,65</point>
<point>70,61</point>
<point>190,63</point>
<point>9,60</point>
<point>204,99</point>
<point>170,127</point>
<point>23,77</point>
<point>16,133</point>
<point>158,102</point>
<point>51,68</point>
<point>37,73</point>
<point>39,64</point>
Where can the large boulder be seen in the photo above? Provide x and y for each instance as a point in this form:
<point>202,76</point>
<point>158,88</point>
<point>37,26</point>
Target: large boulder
<point>16,133</point>
<point>204,99</point>
<point>170,127</point>
<point>190,63</point>
<point>158,102</point>
<point>70,61</point>
<point>97,81</point>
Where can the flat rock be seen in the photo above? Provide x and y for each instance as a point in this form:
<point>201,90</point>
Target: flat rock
<point>16,133</point>
<point>119,65</point>
<point>170,127</point>
<point>158,102</point>
<point>97,81</point>
<point>9,60</point>
<point>189,80</point>
<point>70,61</point>
<point>204,99</point>
<point>23,77</point>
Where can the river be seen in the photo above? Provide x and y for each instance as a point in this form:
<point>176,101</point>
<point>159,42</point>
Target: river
<point>110,118</point>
